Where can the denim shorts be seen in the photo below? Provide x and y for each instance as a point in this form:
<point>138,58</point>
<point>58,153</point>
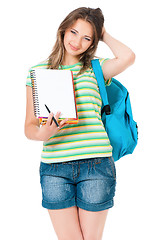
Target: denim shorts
<point>88,184</point>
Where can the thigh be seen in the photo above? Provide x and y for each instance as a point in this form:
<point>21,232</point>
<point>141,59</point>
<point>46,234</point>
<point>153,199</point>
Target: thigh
<point>92,223</point>
<point>96,186</point>
<point>58,190</point>
<point>66,223</point>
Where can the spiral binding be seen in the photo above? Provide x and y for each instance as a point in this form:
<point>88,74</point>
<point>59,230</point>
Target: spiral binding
<point>35,93</point>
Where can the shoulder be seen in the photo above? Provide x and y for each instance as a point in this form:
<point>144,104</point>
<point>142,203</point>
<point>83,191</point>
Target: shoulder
<point>101,60</point>
<point>43,64</point>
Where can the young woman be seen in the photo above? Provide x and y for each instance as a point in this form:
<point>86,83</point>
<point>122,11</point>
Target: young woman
<point>77,170</point>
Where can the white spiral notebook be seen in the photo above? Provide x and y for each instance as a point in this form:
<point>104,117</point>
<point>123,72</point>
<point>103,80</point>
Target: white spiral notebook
<point>54,88</point>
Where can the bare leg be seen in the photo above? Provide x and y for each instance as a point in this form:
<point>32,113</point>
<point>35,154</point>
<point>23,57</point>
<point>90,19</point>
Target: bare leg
<point>92,224</point>
<point>66,223</point>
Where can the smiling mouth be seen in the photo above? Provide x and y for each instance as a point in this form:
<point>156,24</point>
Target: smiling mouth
<point>73,48</point>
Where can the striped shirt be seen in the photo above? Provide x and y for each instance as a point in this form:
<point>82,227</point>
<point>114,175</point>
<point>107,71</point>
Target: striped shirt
<point>87,138</point>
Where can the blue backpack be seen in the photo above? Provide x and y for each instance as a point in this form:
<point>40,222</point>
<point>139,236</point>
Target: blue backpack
<point>116,114</point>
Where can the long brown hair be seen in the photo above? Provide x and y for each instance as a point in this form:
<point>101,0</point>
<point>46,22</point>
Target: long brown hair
<point>95,18</point>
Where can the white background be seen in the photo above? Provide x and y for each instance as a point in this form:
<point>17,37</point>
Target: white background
<point>28,31</point>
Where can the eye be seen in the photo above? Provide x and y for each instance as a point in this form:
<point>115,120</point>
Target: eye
<point>72,31</point>
<point>88,39</point>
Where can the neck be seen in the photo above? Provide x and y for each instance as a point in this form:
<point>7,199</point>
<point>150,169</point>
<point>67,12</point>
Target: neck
<point>70,60</point>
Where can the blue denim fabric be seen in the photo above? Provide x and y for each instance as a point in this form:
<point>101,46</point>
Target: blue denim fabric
<point>89,184</point>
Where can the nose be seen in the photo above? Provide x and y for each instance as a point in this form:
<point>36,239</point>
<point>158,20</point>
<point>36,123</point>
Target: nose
<point>77,42</point>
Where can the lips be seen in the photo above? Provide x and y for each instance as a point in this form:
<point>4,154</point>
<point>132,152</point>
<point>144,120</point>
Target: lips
<point>74,48</point>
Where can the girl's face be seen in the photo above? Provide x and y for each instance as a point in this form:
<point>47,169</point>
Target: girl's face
<point>78,38</point>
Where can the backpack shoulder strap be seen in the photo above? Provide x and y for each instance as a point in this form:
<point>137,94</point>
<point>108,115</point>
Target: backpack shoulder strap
<point>101,83</point>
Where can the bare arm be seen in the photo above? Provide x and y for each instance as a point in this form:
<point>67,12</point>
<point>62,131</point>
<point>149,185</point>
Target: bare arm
<point>124,56</point>
<point>32,128</point>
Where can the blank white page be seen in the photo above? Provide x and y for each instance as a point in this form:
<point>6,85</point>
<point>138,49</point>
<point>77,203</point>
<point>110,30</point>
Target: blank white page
<point>55,89</point>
